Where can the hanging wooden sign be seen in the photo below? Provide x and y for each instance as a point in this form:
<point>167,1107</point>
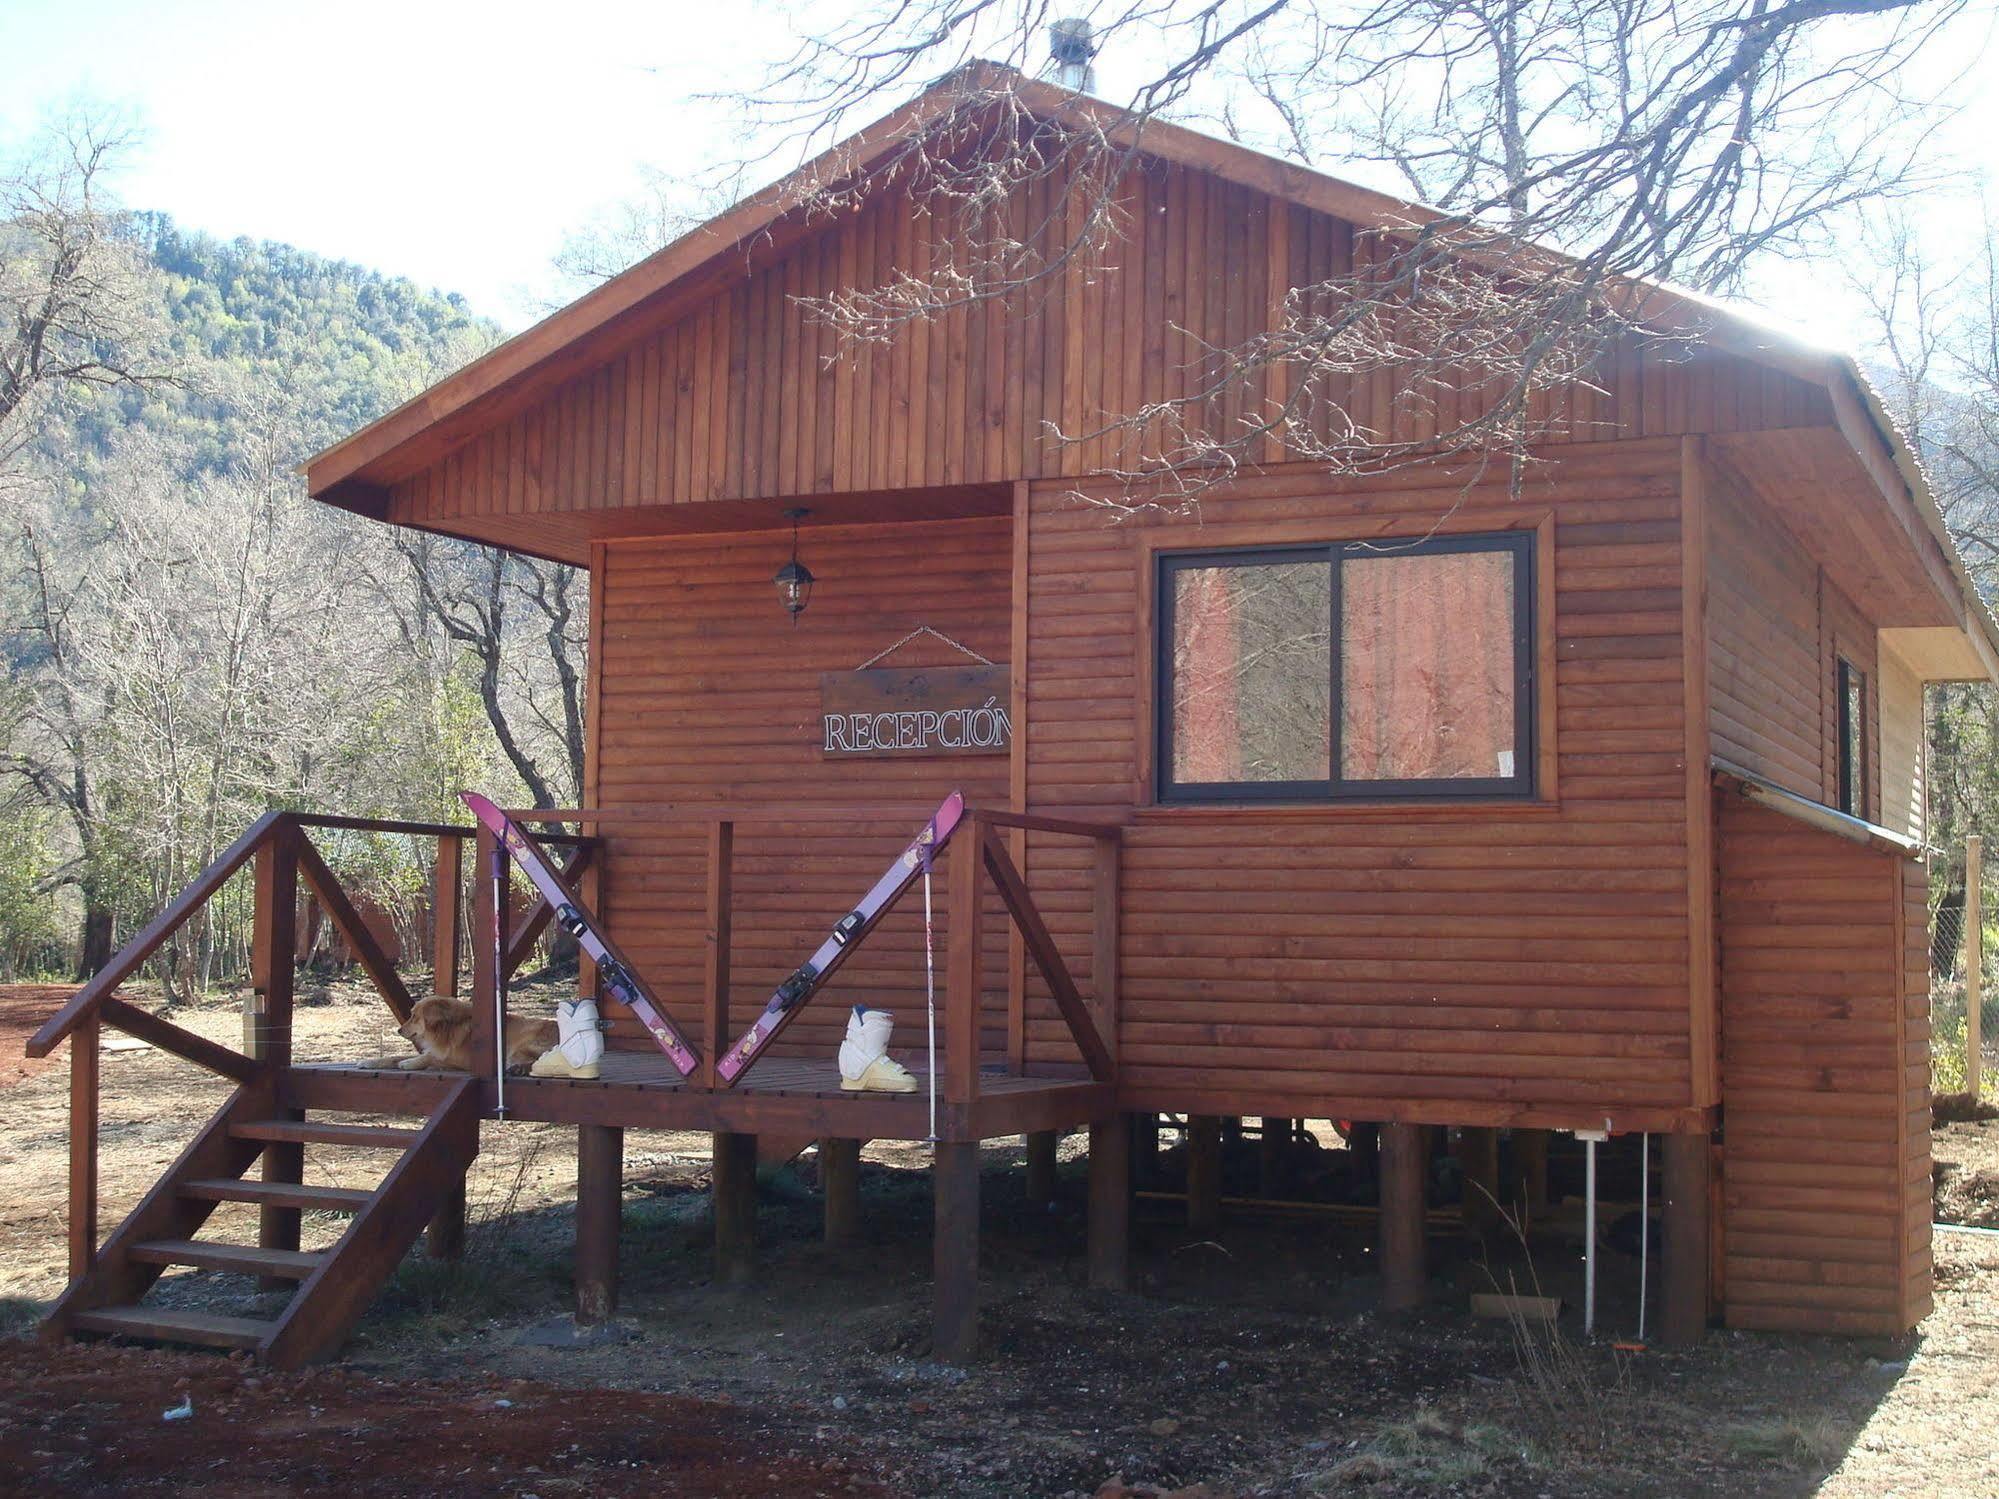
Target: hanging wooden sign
<point>945,710</point>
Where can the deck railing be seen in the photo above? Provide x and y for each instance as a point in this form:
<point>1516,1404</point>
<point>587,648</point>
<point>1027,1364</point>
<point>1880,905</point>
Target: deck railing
<point>281,848</point>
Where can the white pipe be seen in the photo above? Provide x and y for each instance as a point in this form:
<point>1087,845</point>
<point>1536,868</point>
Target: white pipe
<point>1644,1223</point>
<point>1589,1236</point>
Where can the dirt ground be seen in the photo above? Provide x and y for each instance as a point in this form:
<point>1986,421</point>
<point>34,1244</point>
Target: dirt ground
<point>1251,1362</point>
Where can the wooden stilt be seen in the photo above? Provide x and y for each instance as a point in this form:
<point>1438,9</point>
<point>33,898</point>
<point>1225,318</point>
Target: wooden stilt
<point>1041,1165</point>
<point>1270,1148</point>
<point>735,1191</point>
<point>444,1237</point>
<point>840,1180</point>
<point>1683,1294</point>
<point>1204,1172</point>
<point>1110,1204</point>
<point>600,1183</point>
<point>955,1254</point>
<point>1405,1159</point>
<point>1478,1155</point>
<point>275,944</point>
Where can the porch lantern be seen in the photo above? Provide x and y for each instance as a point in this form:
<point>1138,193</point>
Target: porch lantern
<point>794,580</point>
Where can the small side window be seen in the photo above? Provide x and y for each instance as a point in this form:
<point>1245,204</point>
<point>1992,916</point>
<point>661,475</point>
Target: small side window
<point>1852,739</point>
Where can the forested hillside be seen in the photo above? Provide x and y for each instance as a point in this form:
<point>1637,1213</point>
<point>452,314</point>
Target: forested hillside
<point>188,640</point>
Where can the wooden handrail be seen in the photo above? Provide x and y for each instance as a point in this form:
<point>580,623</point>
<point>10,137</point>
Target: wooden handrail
<point>1037,824</point>
<point>125,1016</point>
<point>427,829</point>
<point>92,995</point>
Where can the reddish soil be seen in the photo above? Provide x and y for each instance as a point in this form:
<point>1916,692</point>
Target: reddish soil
<point>23,1007</point>
<point>87,1420</point>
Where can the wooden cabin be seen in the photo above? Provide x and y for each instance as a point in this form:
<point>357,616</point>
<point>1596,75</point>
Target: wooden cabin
<point>1653,865</point>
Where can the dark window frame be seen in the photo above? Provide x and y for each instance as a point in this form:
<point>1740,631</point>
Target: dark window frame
<point>1522,785</point>
<point>1851,753</point>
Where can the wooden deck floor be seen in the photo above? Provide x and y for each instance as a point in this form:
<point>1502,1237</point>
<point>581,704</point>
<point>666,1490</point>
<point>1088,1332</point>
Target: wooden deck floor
<point>779,1095</point>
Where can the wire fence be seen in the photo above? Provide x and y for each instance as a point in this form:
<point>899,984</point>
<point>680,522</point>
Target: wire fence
<point>1950,1030</point>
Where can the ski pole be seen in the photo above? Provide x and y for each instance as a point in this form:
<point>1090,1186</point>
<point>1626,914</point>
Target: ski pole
<point>930,993</point>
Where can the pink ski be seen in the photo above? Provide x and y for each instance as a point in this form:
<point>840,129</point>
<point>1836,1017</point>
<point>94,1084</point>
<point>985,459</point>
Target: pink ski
<point>846,935</point>
<point>615,977</point>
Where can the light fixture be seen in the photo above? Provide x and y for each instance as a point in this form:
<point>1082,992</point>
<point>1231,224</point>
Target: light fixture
<point>794,580</point>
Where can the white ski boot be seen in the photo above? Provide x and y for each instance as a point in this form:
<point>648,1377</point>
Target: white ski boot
<point>580,1044</point>
<point>865,1065</point>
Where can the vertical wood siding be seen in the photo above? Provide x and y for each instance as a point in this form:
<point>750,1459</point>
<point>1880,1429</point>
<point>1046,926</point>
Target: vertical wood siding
<point>1432,956</point>
<point>1763,645</point>
<point>1825,1074</point>
<point>708,696</point>
<point>744,396</point>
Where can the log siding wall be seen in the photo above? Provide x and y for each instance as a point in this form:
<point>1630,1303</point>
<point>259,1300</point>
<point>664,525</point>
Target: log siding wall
<point>1825,1076</point>
<point>1443,962</point>
<point>709,696</point>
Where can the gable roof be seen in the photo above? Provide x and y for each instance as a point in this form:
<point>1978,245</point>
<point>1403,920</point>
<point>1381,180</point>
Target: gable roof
<point>355,473</point>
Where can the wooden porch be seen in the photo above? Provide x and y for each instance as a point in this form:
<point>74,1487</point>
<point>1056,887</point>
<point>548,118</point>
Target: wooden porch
<point>280,1104</point>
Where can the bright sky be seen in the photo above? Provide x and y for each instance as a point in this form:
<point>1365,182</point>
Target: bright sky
<point>457,143</point>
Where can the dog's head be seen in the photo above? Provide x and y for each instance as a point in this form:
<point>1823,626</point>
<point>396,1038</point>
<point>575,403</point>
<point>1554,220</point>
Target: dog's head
<point>426,1016</point>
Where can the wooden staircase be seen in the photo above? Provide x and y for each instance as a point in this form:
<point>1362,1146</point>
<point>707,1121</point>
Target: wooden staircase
<point>265,1119</point>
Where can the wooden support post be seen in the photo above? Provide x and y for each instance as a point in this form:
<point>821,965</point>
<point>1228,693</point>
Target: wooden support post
<point>1530,1159</point>
<point>735,1191</point>
<point>1271,1144</point>
<point>444,1236</point>
<point>1683,1298</point>
<point>84,1057</point>
<point>840,1180</point>
<point>485,961</point>
<point>276,945</point>
<point>447,890</point>
<point>715,979</point>
<point>600,1199</point>
<point>1110,1203</point>
<point>961,971</point>
<point>1144,1147</point>
<point>1204,1172</point>
<point>1478,1158</point>
<point>1974,968</point>
<point>1405,1162</point>
<point>1104,897</point>
<point>955,1251</point>
<point>1041,1165</point>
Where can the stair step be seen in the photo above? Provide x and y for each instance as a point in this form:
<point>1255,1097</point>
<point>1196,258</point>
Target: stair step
<point>171,1326</point>
<point>316,1132</point>
<point>277,1194</point>
<point>245,1259</point>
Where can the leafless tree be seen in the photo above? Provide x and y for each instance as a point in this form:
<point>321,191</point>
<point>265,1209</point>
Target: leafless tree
<point>75,296</point>
<point>486,600</point>
<point>1577,149</point>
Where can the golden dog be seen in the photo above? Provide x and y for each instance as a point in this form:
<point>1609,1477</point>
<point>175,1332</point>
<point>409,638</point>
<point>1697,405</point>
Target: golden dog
<point>442,1031</point>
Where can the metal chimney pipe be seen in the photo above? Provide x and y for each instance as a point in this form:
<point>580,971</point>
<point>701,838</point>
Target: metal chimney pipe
<point>1072,46</point>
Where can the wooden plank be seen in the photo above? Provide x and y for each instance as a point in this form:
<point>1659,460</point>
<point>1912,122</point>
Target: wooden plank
<point>716,943</point>
<point>167,1036</point>
<point>1687,1190</point>
<point>85,1057</point>
<point>962,968</point>
<point>955,1252</point>
<point>1405,1160</point>
<point>242,1259</point>
<point>447,888</point>
<point>840,1182</point>
<point>600,1162</point>
<point>734,1177</point>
